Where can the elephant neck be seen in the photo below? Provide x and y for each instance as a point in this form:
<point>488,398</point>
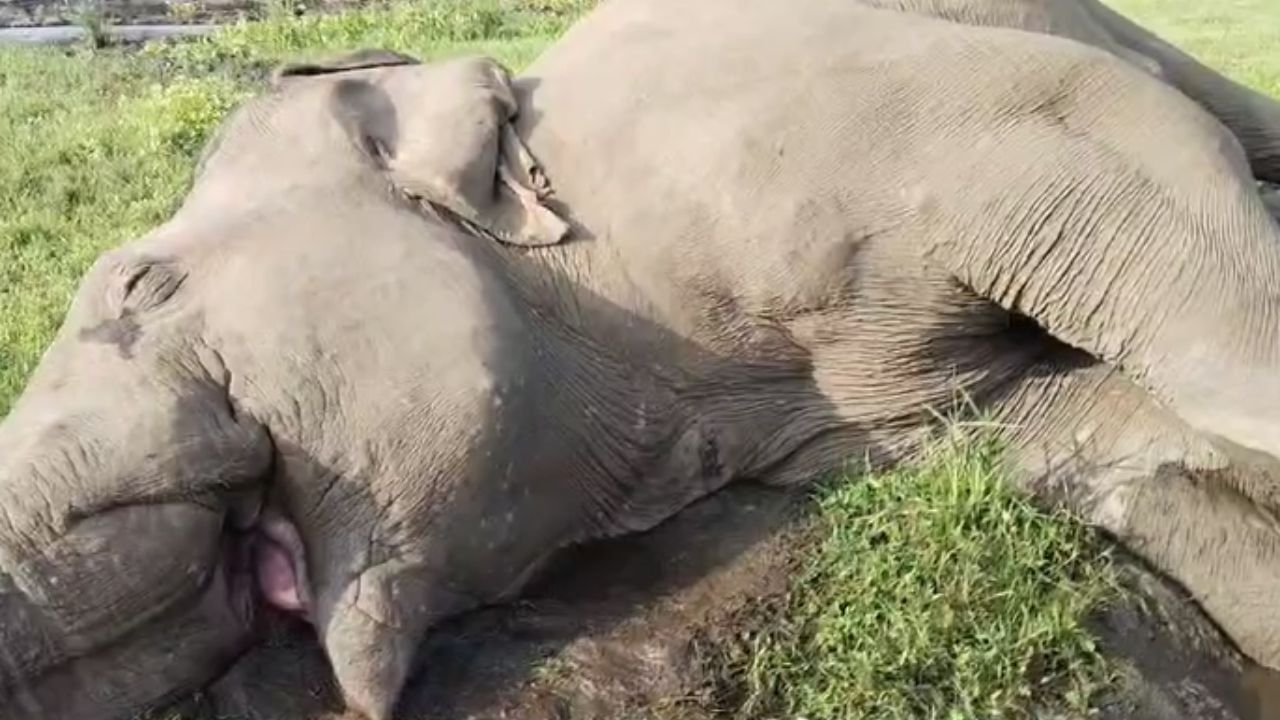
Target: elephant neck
<point>618,388</point>
<point>581,289</point>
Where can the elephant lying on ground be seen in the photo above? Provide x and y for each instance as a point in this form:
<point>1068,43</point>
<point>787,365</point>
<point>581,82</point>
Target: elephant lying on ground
<point>416,326</point>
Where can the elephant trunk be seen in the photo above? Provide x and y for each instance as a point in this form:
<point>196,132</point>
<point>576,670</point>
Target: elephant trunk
<point>72,611</point>
<point>29,646</point>
<point>97,542</point>
<point>47,673</point>
<point>31,641</point>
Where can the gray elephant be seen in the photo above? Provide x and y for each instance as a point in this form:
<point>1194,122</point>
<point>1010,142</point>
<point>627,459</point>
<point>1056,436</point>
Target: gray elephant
<point>417,326</point>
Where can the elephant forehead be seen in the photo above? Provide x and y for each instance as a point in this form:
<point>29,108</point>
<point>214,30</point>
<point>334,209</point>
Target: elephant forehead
<point>351,314</point>
<point>348,262</point>
<point>273,141</point>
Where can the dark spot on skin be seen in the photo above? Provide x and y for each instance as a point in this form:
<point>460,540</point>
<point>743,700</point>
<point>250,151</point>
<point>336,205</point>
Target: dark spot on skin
<point>123,332</point>
<point>709,457</point>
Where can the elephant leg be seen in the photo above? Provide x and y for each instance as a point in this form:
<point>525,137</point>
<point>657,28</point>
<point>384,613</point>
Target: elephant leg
<point>1089,438</point>
<point>1253,117</point>
<point>1144,244</point>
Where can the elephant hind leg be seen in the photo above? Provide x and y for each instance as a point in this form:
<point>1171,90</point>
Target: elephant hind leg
<point>1144,245</point>
<point>1251,116</point>
<point>1097,443</point>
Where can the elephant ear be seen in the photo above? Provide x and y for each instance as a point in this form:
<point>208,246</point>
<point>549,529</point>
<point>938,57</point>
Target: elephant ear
<point>362,59</point>
<point>444,135</point>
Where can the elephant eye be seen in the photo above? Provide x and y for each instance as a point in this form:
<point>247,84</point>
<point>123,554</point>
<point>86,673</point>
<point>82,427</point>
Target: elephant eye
<point>148,284</point>
<point>137,275</point>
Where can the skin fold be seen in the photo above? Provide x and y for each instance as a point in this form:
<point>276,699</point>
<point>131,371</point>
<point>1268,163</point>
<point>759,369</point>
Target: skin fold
<point>1271,198</point>
<point>417,326</point>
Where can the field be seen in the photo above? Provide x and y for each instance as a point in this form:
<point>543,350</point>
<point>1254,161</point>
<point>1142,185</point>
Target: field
<point>934,591</point>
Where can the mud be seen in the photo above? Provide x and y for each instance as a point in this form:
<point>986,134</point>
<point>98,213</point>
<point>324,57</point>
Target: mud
<point>631,628</point>
<point>1176,665</point>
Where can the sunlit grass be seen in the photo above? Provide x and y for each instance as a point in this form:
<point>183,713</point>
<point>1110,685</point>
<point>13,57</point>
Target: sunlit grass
<point>1237,37</point>
<point>934,590</point>
<point>99,146</point>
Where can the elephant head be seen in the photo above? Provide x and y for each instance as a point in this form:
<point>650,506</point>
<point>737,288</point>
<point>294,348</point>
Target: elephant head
<point>127,478</point>
<point>306,390</point>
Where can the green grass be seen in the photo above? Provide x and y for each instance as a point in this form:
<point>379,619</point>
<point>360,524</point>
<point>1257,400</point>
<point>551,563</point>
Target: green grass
<point>934,591</point>
<point>1235,37</point>
<point>99,146</point>
<point>94,153</point>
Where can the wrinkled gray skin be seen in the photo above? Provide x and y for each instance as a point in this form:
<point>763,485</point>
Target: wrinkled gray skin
<point>781,236</point>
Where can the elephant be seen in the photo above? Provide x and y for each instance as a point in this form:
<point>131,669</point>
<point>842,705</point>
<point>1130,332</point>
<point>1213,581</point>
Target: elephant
<point>416,326</point>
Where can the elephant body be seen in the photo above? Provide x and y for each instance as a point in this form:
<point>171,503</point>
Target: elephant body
<point>871,229</point>
<point>382,370</point>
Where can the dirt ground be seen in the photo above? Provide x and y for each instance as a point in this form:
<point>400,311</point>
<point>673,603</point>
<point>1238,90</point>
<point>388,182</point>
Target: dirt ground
<point>628,629</point>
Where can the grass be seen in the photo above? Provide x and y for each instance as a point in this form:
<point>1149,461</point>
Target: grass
<point>1235,37</point>
<point>98,146</point>
<point>933,592</point>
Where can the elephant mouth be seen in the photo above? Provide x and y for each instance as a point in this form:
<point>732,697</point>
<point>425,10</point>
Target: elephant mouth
<point>262,563</point>
<point>266,557</point>
<point>279,565</point>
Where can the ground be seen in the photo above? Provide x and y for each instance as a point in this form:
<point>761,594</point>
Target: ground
<point>931,592</point>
